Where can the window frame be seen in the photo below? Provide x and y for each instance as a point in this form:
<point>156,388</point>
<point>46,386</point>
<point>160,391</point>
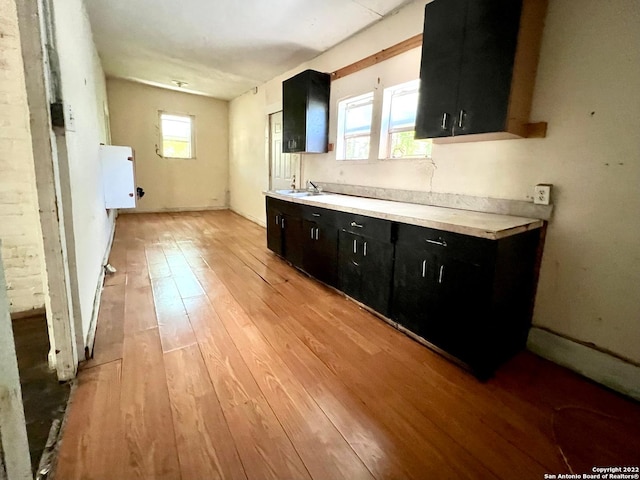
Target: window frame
<point>341,139</point>
<point>386,131</point>
<point>192,124</point>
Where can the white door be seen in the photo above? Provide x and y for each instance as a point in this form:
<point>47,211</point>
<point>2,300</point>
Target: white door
<point>15,462</point>
<point>285,167</point>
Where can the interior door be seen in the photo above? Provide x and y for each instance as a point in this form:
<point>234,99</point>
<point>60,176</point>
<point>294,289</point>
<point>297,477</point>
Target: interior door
<point>285,167</point>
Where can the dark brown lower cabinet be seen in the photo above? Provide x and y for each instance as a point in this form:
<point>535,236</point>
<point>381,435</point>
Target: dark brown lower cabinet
<point>284,230</point>
<point>365,266</point>
<point>470,297</point>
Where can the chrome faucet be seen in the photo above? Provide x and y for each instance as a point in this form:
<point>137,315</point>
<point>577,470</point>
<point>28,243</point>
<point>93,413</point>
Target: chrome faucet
<point>315,187</point>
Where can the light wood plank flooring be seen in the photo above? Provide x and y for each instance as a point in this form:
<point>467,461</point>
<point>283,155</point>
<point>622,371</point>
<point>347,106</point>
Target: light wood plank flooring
<point>216,359</point>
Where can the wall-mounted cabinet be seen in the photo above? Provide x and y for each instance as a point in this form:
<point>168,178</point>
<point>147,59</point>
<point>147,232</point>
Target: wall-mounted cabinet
<point>479,61</point>
<point>118,174</point>
<point>305,112</point>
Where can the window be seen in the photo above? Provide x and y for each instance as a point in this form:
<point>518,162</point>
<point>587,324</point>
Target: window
<point>398,123</point>
<point>176,133</point>
<point>354,127</point>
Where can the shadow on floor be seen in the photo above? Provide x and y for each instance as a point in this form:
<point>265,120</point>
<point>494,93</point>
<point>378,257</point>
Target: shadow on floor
<point>45,399</point>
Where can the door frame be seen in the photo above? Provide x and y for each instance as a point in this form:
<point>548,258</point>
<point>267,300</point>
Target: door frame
<point>42,93</point>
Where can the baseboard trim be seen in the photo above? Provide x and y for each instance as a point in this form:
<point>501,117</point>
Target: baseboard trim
<point>171,210</point>
<point>601,367</point>
<point>262,223</point>
<point>91,334</point>
<point>34,312</point>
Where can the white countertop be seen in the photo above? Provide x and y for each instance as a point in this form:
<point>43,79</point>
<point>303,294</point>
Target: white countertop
<point>477,224</point>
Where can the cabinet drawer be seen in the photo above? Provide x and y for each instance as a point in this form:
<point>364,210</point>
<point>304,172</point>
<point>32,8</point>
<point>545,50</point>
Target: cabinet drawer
<point>283,206</point>
<point>464,247</point>
<point>319,215</point>
<point>365,226</point>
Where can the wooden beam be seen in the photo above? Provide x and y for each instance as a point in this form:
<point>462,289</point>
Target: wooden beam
<point>382,55</point>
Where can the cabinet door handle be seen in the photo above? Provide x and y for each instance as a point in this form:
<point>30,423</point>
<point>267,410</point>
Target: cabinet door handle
<point>441,276</point>
<point>440,242</point>
<point>277,219</point>
<point>315,214</point>
<point>355,263</point>
<point>461,119</point>
<point>365,249</point>
<point>282,222</point>
<point>444,121</point>
<point>355,246</point>
<point>317,233</point>
<point>311,233</point>
<point>354,224</point>
<point>424,268</point>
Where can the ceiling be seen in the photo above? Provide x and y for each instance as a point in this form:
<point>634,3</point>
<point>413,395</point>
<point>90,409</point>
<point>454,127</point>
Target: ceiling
<point>222,48</point>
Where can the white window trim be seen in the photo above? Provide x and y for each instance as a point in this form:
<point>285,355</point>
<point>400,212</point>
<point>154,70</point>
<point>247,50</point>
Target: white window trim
<point>192,118</point>
<point>385,131</point>
<point>341,137</point>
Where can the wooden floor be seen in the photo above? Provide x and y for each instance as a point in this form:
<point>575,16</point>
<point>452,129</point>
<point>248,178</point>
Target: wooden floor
<point>215,359</point>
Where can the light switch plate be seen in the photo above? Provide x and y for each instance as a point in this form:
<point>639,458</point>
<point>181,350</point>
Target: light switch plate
<point>542,194</point>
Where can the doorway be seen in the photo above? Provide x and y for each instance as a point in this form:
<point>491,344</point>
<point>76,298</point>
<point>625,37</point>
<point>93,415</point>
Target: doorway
<point>284,170</point>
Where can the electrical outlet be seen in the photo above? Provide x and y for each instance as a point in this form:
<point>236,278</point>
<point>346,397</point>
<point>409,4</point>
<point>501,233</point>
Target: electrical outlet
<point>70,120</point>
<point>542,194</point>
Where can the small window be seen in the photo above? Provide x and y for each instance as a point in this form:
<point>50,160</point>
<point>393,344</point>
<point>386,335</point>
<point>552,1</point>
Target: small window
<point>354,127</point>
<point>398,123</point>
<point>177,135</point>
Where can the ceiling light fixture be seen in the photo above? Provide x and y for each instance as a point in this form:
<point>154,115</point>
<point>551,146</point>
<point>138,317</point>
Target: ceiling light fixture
<point>179,83</point>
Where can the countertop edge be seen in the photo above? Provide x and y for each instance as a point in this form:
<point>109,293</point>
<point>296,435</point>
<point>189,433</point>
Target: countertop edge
<point>448,227</point>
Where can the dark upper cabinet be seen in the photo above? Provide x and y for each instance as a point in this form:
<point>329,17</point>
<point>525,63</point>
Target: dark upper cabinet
<point>305,112</point>
<point>440,67</point>
<point>479,60</point>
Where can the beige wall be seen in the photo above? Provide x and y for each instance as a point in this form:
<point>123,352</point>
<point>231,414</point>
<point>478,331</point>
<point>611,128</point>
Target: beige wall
<point>84,98</point>
<point>172,184</point>
<point>249,165</point>
<point>22,249</point>
<point>587,89</point>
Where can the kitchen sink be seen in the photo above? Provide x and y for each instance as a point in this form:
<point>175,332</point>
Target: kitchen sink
<point>298,193</point>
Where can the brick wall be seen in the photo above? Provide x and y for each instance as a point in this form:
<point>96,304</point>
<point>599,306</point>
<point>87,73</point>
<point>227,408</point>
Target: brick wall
<point>22,249</point>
